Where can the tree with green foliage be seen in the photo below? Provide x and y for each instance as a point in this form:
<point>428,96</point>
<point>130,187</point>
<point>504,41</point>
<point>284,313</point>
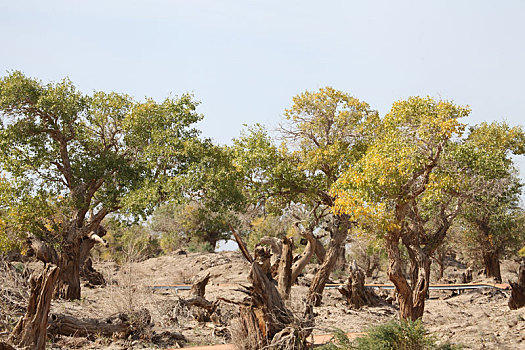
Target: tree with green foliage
<point>212,200</point>
<point>395,186</point>
<point>324,133</point>
<point>191,225</point>
<point>81,157</point>
<point>493,223</point>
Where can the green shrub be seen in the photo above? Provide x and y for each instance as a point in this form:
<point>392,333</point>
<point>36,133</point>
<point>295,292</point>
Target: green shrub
<point>394,335</point>
<point>404,335</point>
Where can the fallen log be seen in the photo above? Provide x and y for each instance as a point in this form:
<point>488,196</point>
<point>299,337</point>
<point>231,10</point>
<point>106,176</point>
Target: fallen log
<point>30,331</point>
<point>119,325</point>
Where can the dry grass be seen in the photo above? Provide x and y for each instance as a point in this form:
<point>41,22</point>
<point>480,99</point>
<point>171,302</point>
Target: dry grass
<point>13,293</point>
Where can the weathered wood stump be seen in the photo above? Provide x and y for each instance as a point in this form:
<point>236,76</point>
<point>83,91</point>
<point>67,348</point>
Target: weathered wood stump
<point>355,292</point>
<point>517,295</point>
<point>201,309</point>
<point>31,330</point>
<point>264,320</point>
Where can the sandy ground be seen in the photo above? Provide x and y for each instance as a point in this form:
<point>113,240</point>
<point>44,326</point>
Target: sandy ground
<point>478,319</point>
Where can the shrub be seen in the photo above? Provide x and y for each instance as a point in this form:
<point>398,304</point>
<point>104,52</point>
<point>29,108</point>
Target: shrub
<point>394,335</point>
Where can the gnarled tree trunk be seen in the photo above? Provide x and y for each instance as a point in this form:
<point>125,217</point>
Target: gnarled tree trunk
<point>396,275</point>
<point>87,272</point>
<point>339,234</point>
<point>420,282</point>
<point>31,330</point>
<point>411,296</point>
<point>68,284</point>
<point>305,257</point>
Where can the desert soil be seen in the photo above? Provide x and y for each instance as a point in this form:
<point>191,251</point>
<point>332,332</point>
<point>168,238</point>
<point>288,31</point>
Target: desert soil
<point>477,319</point>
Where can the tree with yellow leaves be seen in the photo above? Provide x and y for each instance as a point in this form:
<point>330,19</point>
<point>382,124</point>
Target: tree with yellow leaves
<point>401,186</point>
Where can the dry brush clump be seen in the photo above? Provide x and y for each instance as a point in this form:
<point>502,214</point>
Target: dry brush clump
<point>14,282</point>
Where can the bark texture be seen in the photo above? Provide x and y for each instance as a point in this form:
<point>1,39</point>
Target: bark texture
<point>31,330</point>
<point>284,275</point>
<point>68,284</point>
<point>198,287</point>
<point>517,295</point>
<point>265,321</point>
<point>355,292</point>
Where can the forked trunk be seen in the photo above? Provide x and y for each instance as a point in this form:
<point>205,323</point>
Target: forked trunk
<point>492,266</point>
<point>68,284</point>
<point>407,308</point>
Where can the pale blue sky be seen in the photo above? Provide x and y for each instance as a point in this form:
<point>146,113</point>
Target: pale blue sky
<point>245,60</point>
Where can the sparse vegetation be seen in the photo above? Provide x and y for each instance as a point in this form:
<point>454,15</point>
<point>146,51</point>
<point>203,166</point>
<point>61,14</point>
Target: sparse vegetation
<point>394,335</point>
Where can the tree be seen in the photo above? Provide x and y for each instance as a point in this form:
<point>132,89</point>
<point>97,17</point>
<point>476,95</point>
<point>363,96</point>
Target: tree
<point>82,157</point>
<point>191,224</point>
<point>392,185</point>
<point>212,199</point>
<point>493,222</point>
<point>325,132</point>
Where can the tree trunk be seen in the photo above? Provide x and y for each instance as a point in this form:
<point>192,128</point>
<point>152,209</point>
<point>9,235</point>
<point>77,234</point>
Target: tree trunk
<point>68,285</point>
<point>266,322</point>
<point>284,275</point>
<point>517,296</point>
<point>276,247</point>
<point>340,231</point>
<point>421,284</point>
<point>87,272</point>
<point>306,256</point>
<point>340,264</point>
<point>355,292</point>
<point>31,330</point>
<point>396,275</point>
<point>492,266</point>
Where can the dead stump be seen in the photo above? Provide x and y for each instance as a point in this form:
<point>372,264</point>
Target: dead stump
<point>355,292</point>
<point>31,330</point>
<point>517,295</point>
